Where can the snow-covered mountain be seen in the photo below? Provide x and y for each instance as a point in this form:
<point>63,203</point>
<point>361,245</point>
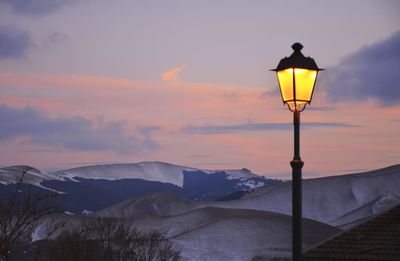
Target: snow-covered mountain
<point>254,227</point>
<point>91,188</point>
<point>211,233</point>
<point>29,175</point>
<point>150,171</point>
<point>151,205</point>
<point>338,200</point>
<point>233,234</point>
<point>257,226</point>
<point>153,171</point>
<point>13,174</point>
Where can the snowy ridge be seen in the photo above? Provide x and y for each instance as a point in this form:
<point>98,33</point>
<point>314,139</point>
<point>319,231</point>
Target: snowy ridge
<point>234,174</point>
<point>12,175</point>
<point>148,170</point>
<point>151,171</point>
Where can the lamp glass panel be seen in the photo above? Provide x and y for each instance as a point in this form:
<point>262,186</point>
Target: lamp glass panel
<point>305,80</point>
<point>285,78</point>
<point>297,106</point>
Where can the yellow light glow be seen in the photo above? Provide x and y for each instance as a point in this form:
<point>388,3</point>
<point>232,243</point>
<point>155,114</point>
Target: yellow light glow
<point>298,95</point>
<point>285,78</point>
<point>305,80</point>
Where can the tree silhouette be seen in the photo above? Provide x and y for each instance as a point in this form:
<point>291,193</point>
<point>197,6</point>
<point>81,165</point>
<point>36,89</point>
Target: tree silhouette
<point>19,215</point>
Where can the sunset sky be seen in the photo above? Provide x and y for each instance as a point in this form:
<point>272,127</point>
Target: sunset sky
<point>188,82</point>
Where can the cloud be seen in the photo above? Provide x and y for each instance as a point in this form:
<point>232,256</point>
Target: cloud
<point>57,37</point>
<point>220,129</point>
<point>173,74</point>
<point>271,93</point>
<point>232,96</point>
<point>147,138</point>
<point>37,7</point>
<point>76,133</point>
<point>317,108</point>
<point>13,42</point>
<point>370,73</point>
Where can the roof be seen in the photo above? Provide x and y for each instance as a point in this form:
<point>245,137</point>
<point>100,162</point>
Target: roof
<point>378,239</point>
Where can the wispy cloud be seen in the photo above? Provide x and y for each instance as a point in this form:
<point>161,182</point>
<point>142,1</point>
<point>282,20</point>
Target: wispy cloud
<point>221,129</point>
<point>37,7</point>
<point>328,124</point>
<point>371,73</point>
<point>147,136</point>
<point>57,37</point>
<point>13,42</point>
<point>271,93</point>
<point>316,108</point>
<point>173,74</point>
<point>76,133</point>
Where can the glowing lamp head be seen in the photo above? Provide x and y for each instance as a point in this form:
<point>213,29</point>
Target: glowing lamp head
<point>297,75</point>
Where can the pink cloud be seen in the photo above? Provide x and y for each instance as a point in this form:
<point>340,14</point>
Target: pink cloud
<point>173,74</point>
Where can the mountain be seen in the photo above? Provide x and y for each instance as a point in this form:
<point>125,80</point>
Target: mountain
<point>339,201</point>
<point>90,188</point>
<point>150,205</point>
<point>30,175</point>
<point>257,226</point>
<point>336,200</point>
<point>233,234</point>
<point>150,171</point>
<point>222,234</point>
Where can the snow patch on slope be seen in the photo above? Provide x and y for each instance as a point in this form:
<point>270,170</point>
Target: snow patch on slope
<point>384,203</point>
<point>39,232</point>
<point>243,174</point>
<point>251,184</point>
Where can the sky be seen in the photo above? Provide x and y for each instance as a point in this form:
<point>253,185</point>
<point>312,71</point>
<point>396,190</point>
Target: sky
<point>188,82</point>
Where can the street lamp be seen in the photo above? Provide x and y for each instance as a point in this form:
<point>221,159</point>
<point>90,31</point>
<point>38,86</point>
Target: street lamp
<point>297,75</point>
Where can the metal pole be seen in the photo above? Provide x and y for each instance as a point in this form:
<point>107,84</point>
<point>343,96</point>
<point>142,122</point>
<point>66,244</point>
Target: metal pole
<point>297,165</point>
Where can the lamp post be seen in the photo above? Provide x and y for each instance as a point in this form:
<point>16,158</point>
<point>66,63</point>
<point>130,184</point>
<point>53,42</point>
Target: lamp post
<point>297,75</point>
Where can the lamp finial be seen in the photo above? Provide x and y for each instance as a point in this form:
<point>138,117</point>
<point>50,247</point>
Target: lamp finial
<point>297,47</point>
